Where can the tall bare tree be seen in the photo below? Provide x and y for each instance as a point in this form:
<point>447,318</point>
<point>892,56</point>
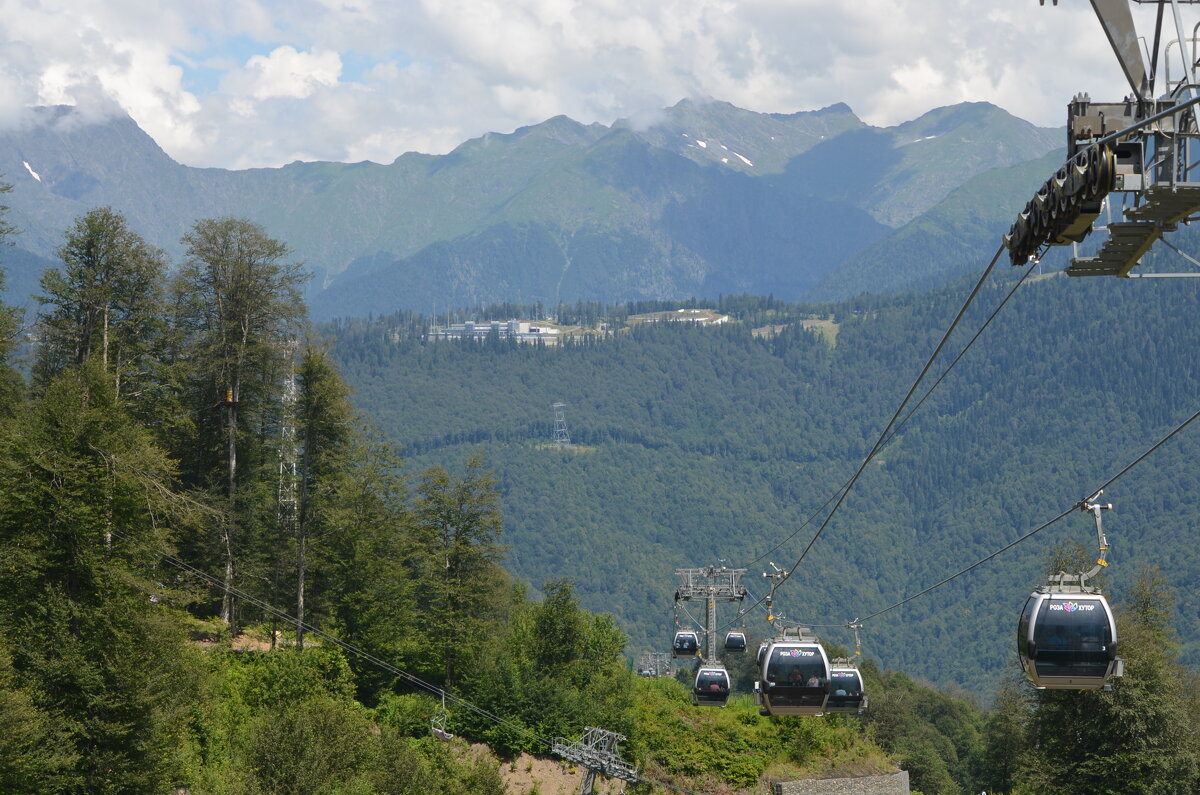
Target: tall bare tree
<point>104,303</point>
<point>6,228</point>
<point>238,310</point>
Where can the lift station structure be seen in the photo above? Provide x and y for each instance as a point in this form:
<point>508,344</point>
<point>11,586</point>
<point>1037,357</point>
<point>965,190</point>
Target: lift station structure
<point>1132,171</point>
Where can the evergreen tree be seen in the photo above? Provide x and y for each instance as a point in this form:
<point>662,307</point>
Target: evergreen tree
<point>84,495</point>
<point>324,432</point>
<point>35,753</point>
<point>1006,743</point>
<point>457,532</point>
<point>554,668</point>
<point>370,563</point>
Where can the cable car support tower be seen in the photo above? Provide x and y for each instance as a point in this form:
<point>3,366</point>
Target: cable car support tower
<point>597,751</point>
<point>1141,149</point>
<point>712,584</point>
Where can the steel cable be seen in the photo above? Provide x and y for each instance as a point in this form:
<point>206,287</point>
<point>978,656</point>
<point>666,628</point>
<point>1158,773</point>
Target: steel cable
<point>907,417</point>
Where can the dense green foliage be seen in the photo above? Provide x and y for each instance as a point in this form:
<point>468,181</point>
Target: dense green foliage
<point>109,468</point>
<point>738,746</point>
<point>164,438</point>
<point>693,444</point>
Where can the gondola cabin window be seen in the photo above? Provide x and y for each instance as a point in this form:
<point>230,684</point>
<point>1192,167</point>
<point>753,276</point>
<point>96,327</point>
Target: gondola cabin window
<point>796,667</point>
<point>1073,638</point>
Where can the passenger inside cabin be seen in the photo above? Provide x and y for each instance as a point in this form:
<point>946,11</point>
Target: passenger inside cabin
<point>712,682</point>
<point>1059,640</point>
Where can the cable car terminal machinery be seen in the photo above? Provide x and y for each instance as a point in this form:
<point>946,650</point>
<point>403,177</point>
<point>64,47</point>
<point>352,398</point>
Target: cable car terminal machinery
<point>1066,636</point>
<point>1141,149</point>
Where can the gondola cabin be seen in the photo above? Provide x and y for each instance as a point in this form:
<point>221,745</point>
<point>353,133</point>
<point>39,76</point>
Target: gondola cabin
<point>846,692</point>
<point>735,642</point>
<point>686,644</point>
<point>1068,640</point>
<point>712,687</point>
<point>794,678</point>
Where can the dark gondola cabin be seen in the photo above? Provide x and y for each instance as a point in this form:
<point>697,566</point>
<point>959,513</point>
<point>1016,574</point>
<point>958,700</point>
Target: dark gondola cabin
<point>712,687</point>
<point>795,678</point>
<point>735,642</point>
<point>686,644</point>
<point>846,692</point>
<point>1068,640</point>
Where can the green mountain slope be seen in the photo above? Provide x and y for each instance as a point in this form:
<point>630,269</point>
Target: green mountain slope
<point>699,444</point>
<point>953,238</point>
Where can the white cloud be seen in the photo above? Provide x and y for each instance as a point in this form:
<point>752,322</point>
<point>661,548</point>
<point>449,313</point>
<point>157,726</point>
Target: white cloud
<point>249,82</point>
<point>288,73</point>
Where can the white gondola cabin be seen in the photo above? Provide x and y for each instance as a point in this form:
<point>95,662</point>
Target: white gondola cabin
<point>794,676</point>
<point>1067,639</point>
<point>711,688</point>
<point>686,644</point>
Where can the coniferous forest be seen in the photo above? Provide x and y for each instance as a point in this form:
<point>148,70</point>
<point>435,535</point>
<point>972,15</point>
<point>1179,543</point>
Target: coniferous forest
<point>223,570</point>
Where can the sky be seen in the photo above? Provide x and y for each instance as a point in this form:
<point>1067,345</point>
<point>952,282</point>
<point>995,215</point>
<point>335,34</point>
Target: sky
<point>260,83</point>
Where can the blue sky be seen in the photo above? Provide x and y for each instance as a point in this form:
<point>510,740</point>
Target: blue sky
<point>248,83</point>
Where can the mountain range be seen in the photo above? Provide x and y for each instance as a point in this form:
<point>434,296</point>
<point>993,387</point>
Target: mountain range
<point>708,199</point>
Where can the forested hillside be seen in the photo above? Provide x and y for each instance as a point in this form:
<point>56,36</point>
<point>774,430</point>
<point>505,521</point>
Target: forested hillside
<point>697,444</point>
<point>218,578</point>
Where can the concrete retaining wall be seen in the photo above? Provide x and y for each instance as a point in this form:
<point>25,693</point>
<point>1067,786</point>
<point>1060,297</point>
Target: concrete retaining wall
<point>895,784</point>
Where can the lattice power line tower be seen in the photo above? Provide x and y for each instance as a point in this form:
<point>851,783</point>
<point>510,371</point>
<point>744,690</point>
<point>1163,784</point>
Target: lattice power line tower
<point>712,584</point>
<point>287,506</point>
<point>597,751</point>
<point>560,424</point>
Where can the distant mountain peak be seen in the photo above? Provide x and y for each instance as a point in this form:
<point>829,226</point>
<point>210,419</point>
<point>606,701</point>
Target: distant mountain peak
<point>561,129</point>
<point>949,117</point>
<point>69,118</point>
<point>718,133</point>
<point>837,107</point>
